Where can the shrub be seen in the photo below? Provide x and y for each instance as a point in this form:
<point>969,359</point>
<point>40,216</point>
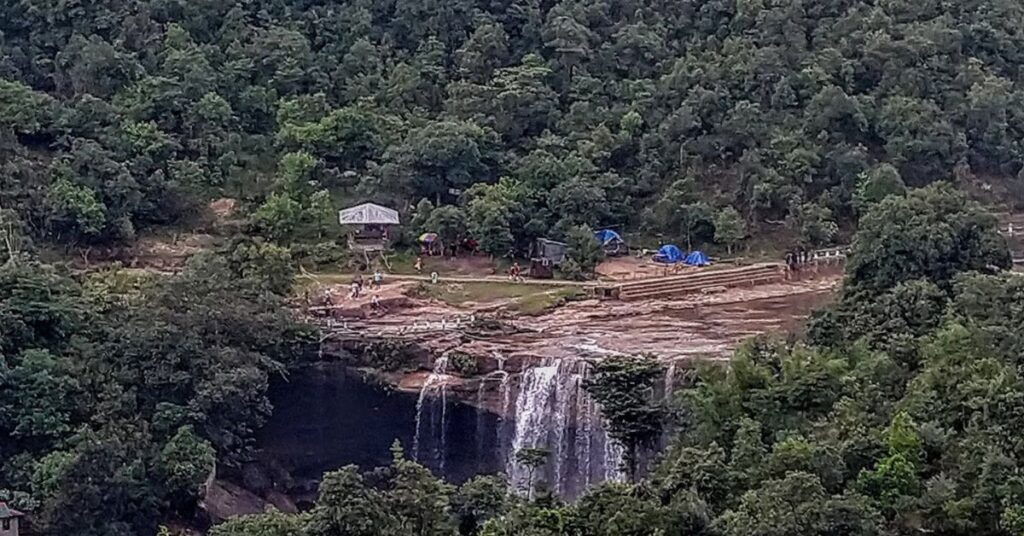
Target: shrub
<point>389,355</point>
<point>463,364</point>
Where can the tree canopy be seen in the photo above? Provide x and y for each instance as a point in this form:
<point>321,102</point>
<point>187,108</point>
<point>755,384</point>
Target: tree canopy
<point>697,121</point>
<point>119,396</point>
<point>907,423</point>
<point>116,118</point>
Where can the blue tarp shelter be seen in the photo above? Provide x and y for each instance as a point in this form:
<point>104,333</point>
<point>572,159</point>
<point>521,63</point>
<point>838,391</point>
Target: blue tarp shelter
<point>697,258</point>
<point>612,242</point>
<point>607,236</point>
<point>669,254</point>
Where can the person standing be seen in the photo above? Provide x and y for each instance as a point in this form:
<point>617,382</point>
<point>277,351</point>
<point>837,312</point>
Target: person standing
<point>375,303</point>
<point>515,273</point>
<point>357,282</point>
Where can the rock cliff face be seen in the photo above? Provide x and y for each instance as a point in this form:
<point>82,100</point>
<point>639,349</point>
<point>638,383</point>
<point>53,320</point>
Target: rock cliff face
<point>463,393</point>
<point>329,415</point>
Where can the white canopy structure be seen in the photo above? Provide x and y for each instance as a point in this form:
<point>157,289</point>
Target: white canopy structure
<point>368,214</point>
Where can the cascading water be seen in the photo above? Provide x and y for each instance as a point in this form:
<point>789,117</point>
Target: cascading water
<point>493,417</point>
<point>670,381</point>
<point>553,411</point>
<point>436,418</point>
<point>481,392</point>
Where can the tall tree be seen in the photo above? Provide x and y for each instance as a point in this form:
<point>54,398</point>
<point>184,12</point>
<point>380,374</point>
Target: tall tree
<point>941,234</point>
<point>624,386</point>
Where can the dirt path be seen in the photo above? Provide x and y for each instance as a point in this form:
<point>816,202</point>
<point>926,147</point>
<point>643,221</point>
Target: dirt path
<point>336,277</point>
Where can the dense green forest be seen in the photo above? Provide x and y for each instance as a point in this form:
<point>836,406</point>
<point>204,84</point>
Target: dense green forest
<point>520,117</point>
<point>119,395</point>
<point>896,414</point>
<point>699,120</point>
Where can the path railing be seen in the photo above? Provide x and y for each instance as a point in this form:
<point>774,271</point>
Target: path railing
<point>359,327</point>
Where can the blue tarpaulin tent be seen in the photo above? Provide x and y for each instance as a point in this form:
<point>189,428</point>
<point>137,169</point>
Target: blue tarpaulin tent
<point>669,254</point>
<point>607,236</point>
<point>697,258</point>
<point>612,243</point>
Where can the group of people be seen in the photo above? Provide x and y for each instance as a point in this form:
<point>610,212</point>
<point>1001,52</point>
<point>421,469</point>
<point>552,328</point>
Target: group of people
<point>435,248</point>
<point>434,277</point>
<point>796,259</point>
<point>356,288</point>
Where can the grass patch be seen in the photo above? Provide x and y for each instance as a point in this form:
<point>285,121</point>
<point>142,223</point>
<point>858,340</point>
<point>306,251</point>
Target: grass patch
<point>523,299</point>
<point>458,293</point>
<point>537,303</point>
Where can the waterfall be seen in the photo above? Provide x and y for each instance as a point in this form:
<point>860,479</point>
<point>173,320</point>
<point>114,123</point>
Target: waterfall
<point>436,381</point>
<point>480,413</point>
<point>443,451</point>
<point>506,420</point>
<point>553,411</point>
<point>533,424</point>
<point>670,381</point>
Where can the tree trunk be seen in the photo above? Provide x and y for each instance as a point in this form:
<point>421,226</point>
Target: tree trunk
<point>631,463</point>
<point>529,485</point>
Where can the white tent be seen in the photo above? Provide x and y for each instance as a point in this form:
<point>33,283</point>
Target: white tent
<point>368,214</point>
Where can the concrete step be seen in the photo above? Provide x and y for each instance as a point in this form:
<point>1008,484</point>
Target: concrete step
<point>692,289</point>
<point>698,284</point>
<point>700,277</point>
<point>692,283</point>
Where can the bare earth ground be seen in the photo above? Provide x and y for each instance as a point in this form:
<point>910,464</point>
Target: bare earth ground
<point>685,327</point>
<point>629,268</point>
<point>677,329</point>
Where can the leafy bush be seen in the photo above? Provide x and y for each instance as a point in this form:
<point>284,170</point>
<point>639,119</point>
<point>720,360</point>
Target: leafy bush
<point>322,255</point>
<point>583,251</point>
<point>462,364</point>
<point>389,355</point>
<point>571,270</point>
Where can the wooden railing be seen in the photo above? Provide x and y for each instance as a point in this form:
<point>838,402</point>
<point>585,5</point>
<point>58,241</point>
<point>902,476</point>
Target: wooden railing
<point>829,254</point>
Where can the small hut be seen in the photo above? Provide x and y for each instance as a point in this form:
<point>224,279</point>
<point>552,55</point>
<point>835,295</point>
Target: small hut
<point>545,255</point>
<point>368,226</point>
<point>9,520</point>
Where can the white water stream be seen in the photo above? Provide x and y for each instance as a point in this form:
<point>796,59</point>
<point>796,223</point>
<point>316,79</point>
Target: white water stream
<point>543,407</point>
<point>553,411</point>
<point>437,427</point>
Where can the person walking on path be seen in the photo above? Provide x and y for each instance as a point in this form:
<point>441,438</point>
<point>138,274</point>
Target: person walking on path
<point>515,273</point>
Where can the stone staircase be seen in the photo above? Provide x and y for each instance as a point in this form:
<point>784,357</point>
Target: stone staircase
<point>711,280</point>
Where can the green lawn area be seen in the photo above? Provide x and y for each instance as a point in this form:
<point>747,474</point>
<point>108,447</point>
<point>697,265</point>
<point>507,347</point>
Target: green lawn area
<point>537,303</point>
<point>521,297</point>
<point>524,299</point>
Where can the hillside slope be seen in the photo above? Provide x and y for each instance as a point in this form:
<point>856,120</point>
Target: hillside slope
<point>668,117</point>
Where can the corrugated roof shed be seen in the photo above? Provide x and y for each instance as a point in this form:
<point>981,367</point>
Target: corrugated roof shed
<point>368,214</point>
<point>8,513</point>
